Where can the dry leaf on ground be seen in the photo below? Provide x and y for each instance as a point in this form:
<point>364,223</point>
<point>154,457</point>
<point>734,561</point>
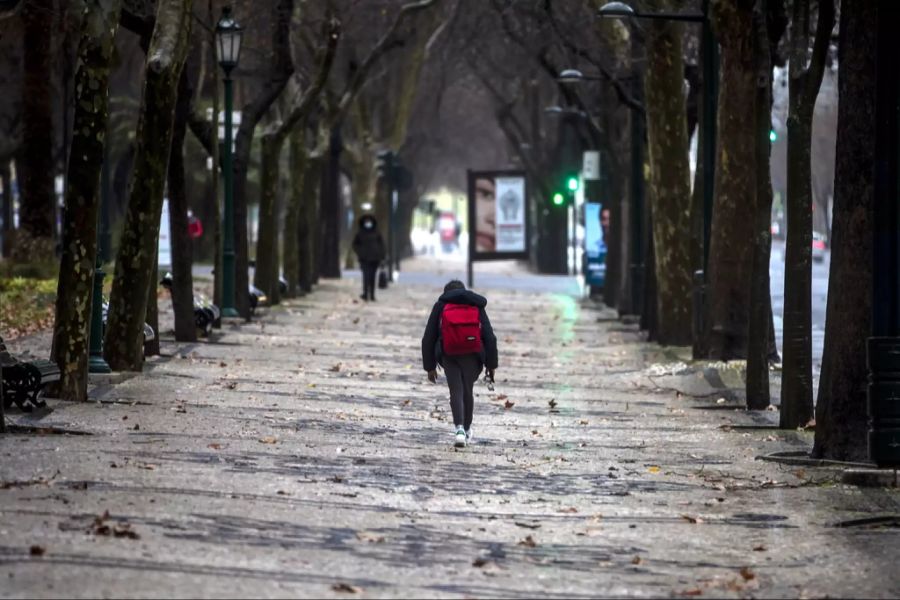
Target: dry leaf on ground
<point>346,587</point>
<point>268,440</point>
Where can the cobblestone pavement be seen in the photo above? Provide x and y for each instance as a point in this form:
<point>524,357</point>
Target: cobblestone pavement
<point>305,454</point>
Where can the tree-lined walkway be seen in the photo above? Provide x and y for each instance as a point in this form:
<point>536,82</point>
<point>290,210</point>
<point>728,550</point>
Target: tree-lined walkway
<point>307,455</point>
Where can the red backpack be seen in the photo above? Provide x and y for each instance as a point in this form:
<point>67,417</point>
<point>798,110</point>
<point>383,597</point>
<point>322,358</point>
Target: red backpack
<point>460,329</point>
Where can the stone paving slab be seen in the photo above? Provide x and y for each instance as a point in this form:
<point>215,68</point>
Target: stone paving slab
<point>306,455</point>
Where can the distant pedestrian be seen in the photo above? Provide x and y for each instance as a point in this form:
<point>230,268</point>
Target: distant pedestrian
<point>460,338</point>
<point>369,247</point>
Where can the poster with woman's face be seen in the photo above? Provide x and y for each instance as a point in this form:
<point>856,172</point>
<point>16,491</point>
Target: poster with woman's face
<point>498,202</point>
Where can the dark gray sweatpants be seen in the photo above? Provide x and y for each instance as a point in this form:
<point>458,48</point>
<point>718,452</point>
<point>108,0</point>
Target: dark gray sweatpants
<point>462,373</point>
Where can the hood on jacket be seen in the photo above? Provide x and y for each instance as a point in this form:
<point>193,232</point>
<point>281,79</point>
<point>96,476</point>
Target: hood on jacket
<point>463,297</point>
<point>366,219</point>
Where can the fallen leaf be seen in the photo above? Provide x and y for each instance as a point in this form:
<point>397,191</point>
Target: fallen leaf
<point>747,574</point>
<point>406,402</point>
<point>345,587</point>
<point>760,548</point>
<point>569,509</point>
<point>365,536</point>
<point>693,592</point>
<point>528,525</point>
<point>223,364</point>
<point>335,368</point>
<point>480,562</point>
<point>692,520</point>
<point>653,469</point>
<point>528,542</point>
<point>136,427</point>
<point>502,397</point>
<point>215,446</point>
<point>507,405</point>
<point>636,560</point>
<point>36,550</point>
<point>552,403</point>
<point>582,422</point>
<point>356,320</point>
<point>268,440</point>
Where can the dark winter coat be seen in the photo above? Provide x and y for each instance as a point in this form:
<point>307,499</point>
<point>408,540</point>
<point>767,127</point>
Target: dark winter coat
<point>431,341</point>
<point>368,244</point>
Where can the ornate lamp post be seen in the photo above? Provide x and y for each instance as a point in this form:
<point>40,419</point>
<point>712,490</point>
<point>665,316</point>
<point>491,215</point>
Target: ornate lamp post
<point>228,40</point>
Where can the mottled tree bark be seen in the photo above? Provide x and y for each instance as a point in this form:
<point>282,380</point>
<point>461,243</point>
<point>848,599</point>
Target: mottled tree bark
<point>841,416</point>
<point>733,224</point>
<point>309,223</point>
<point>74,293</point>
<point>757,383</point>
<point>7,214</point>
<point>267,255</point>
<point>295,208</point>
<point>670,177</point>
<point>182,261</point>
<point>265,276</point>
<point>251,115</point>
<point>151,347</point>
<point>135,274</point>
<point>804,82</point>
<point>37,216</point>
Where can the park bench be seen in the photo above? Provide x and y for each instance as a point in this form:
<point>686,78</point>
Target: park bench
<point>23,381</point>
<point>205,312</point>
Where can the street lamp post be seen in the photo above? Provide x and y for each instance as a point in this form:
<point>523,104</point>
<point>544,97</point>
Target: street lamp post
<point>709,53</point>
<point>228,38</point>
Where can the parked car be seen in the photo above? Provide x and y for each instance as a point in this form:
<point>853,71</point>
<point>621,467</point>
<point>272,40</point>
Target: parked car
<point>818,247</point>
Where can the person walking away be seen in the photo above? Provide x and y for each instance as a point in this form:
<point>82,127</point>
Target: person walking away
<point>370,252</point>
<point>460,338</point>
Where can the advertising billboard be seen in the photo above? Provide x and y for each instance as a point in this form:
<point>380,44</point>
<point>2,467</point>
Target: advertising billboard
<point>498,215</point>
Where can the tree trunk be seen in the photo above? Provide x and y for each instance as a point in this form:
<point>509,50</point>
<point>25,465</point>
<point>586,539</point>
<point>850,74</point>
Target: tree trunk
<point>182,261</point>
<point>251,115</point>
<point>134,274</point>
<point>331,209</point>
<point>151,348</point>
<point>35,170</point>
<point>668,150</point>
<point>804,82</point>
<point>294,213</point>
<point>734,208</point>
<point>7,215</point>
<point>841,416</point>
<point>757,383</point>
<point>309,223</point>
<point>650,315</point>
<point>74,292</point>
<point>266,275</point>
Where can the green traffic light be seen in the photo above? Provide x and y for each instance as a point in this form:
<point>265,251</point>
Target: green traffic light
<point>572,183</point>
<point>772,135</point>
<point>558,199</point>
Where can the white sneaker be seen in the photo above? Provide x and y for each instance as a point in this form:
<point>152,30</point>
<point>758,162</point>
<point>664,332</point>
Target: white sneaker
<point>460,441</point>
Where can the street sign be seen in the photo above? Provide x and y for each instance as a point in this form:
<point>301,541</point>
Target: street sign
<point>591,164</point>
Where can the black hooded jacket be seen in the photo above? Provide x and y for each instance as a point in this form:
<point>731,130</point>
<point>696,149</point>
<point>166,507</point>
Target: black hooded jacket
<point>431,341</point>
<point>368,244</point>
